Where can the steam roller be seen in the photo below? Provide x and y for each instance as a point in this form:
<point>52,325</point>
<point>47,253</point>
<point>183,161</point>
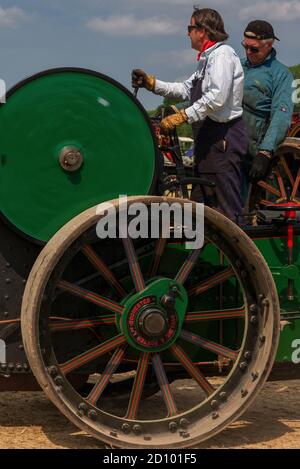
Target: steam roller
<point>140,342</point>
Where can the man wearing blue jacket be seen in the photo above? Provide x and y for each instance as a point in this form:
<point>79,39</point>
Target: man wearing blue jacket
<point>267,102</point>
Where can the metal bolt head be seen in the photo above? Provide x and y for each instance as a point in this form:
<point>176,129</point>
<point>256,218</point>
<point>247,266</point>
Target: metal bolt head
<point>53,371</point>
<point>247,355</point>
<point>19,367</point>
<point>184,423</point>
<point>173,427</point>
<point>137,429</point>
<point>58,381</point>
<point>126,428</point>
<point>223,396</point>
<point>253,308</point>
<point>11,366</point>
<point>215,415</point>
<point>214,404</point>
<point>83,407</point>
<point>253,320</point>
<point>243,365</point>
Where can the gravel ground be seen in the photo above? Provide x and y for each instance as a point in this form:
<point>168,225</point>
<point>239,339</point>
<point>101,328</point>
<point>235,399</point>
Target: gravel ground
<point>29,420</point>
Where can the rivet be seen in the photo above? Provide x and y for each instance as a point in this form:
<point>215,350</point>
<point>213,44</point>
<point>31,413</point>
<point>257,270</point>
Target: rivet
<point>265,302</point>
<point>184,423</point>
<point>19,367</point>
<point>92,414</point>
<point>3,366</point>
<point>215,415</point>
<point>137,429</point>
<point>25,366</point>
<point>126,428</point>
<point>173,427</point>
<point>7,264</point>
<point>253,308</point>
<point>244,392</point>
<point>243,365</point>
<point>254,376</point>
<point>253,319</point>
<point>223,396</point>
<point>11,366</point>
<point>7,280</point>
<point>6,297</point>
<point>53,371</point>
<point>114,433</point>
<point>21,347</point>
<point>83,407</point>
<point>214,404</point>
<point>247,355</point>
<point>58,381</point>
<point>5,314</point>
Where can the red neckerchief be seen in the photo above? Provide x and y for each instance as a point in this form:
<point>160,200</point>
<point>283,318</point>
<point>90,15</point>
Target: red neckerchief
<point>206,46</point>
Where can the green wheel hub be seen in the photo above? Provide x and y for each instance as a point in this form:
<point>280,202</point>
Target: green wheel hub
<point>153,319</point>
<point>70,139</point>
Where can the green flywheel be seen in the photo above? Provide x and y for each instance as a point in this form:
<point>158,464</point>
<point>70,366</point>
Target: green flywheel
<point>69,139</point>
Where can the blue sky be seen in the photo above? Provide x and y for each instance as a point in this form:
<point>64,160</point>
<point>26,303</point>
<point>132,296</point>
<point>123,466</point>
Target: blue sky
<point>114,36</point>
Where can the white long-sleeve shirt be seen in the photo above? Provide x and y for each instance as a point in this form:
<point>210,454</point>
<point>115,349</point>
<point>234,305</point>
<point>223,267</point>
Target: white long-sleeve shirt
<point>222,87</point>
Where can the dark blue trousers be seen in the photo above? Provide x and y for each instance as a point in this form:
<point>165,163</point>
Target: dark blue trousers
<point>220,152</point>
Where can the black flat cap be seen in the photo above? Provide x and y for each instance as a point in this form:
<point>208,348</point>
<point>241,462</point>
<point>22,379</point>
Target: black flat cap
<point>259,29</point>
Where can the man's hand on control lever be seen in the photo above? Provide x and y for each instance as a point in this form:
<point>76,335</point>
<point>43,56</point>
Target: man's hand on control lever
<point>140,79</point>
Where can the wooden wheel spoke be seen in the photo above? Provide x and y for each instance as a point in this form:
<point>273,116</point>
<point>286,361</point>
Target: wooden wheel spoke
<point>102,268</point>
<point>78,324</point>
<point>135,269</point>
<point>211,282</point>
<point>269,188</point>
<point>187,266</point>
<point>138,385</point>
<point>158,252</point>
<point>164,385</point>
<point>287,170</point>
<point>90,296</point>
<point>92,354</point>
<point>110,369</point>
<point>296,185</point>
<point>281,184</point>
<point>183,358</point>
<point>196,316</point>
<point>209,345</point>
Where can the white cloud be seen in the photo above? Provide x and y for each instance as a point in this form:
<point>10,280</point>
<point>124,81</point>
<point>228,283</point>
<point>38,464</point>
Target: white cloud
<point>129,25</point>
<point>11,17</point>
<point>273,10</point>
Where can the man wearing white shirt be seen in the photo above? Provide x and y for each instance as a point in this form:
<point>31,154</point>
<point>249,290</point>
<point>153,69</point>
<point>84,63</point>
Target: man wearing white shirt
<point>215,92</point>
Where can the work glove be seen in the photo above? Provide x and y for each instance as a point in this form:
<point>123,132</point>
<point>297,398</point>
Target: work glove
<point>140,79</point>
<point>170,122</point>
<point>260,166</point>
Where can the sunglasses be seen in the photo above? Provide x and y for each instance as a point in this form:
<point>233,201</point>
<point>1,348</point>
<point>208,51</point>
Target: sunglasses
<point>193,26</point>
<point>252,49</point>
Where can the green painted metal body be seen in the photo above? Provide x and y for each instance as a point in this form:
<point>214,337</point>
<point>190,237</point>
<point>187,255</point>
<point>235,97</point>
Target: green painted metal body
<point>58,109</point>
<point>275,252</point>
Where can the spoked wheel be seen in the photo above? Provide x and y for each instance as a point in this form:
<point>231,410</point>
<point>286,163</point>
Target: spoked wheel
<point>283,183</point>
<point>156,311</point>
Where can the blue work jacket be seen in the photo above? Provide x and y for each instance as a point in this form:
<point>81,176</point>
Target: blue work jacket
<point>267,103</point>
